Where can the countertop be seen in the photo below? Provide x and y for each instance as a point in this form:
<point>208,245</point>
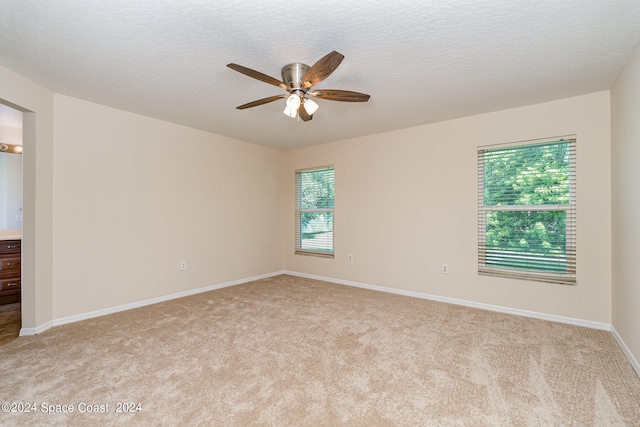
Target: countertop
<point>11,237</point>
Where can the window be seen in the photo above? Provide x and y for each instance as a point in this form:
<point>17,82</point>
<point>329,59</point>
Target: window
<point>314,211</point>
<point>527,210</point>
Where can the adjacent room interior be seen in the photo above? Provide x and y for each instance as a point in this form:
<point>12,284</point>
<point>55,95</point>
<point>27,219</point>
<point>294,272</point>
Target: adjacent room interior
<point>157,196</point>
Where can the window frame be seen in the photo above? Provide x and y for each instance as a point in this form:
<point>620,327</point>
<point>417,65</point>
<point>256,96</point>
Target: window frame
<point>299,211</point>
<point>568,278</point>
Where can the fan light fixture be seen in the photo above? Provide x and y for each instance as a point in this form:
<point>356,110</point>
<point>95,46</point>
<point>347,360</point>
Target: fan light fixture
<point>310,106</point>
<point>289,112</point>
<point>293,103</point>
<point>298,79</point>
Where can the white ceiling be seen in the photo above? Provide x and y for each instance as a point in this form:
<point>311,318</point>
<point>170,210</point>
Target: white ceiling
<point>421,61</point>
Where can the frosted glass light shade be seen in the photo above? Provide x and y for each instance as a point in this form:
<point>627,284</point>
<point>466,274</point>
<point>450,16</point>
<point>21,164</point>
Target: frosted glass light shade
<point>290,112</point>
<point>310,106</point>
<point>293,103</point>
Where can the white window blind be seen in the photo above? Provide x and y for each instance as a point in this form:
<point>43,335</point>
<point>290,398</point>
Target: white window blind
<point>314,211</point>
<point>527,210</point>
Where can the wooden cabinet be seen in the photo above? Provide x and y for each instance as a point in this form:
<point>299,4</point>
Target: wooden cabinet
<point>10,271</point>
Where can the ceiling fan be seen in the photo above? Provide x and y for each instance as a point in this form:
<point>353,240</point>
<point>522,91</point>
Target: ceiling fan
<point>298,79</point>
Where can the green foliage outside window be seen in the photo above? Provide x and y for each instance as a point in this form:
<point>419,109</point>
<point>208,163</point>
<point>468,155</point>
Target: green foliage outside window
<point>527,176</point>
<point>315,209</point>
<point>535,175</point>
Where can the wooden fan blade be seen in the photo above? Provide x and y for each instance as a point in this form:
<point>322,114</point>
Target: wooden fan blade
<point>322,69</point>
<point>258,75</point>
<point>303,114</point>
<point>340,95</point>
<point>261,102</point>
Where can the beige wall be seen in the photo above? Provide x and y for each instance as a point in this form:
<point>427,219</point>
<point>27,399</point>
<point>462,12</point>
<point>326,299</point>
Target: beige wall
<point>134,196</point>
<point>625,131</point>
<point>37,237</point>
<point>406,202</point>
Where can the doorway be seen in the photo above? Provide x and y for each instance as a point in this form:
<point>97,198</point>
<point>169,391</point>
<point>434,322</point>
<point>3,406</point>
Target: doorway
<point>11,124</point>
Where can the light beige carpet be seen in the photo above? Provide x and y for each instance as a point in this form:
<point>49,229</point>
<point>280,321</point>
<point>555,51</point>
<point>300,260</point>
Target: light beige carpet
<point>292,351</point>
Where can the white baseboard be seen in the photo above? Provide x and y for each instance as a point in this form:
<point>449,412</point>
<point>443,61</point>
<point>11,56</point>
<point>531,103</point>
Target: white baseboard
<point>626,351</point>
<point>111,310</point>
<point>496,308</point>
<point>36,331</point>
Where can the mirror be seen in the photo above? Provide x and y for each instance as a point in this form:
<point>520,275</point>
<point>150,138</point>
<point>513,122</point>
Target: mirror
<point>10,172</point>
<point>11,192</point>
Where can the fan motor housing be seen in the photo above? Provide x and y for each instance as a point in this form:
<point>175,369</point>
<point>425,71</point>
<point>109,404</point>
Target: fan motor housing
<point>292,74</point>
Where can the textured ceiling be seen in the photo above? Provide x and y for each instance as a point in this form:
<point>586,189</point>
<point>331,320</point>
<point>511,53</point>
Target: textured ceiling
<point>421,61</point>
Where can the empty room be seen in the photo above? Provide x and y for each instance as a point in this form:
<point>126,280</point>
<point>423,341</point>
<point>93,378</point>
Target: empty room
<point>340,213</point>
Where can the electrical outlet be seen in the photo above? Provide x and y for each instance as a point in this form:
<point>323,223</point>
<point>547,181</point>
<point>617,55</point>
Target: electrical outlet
<point>349,258</point>
<point>445,269</point>
<point>183,265</point>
